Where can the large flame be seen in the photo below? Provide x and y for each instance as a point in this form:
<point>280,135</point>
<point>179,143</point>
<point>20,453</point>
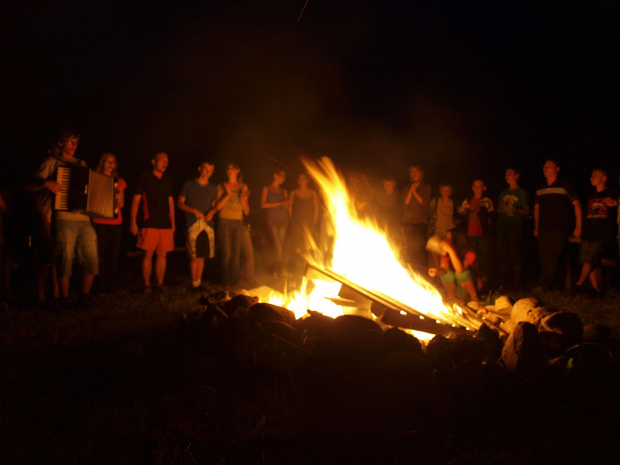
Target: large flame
<point>362,254</point>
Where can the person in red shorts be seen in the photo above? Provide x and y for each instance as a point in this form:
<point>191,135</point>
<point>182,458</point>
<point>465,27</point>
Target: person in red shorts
<point>156,234</point>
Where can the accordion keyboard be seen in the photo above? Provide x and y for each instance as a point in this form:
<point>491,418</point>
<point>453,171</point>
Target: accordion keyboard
<point>63,177</point>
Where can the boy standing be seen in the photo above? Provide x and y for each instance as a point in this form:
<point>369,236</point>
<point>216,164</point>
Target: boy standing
<point>512,207</point>
<point>441,212</point>
<point>414,219</point>
<point>197,200</point>
<point>598,228</point>
<point>73,229</point>
<point>555,207</point>
<point>479,211</point>
<point>157,232</point>
<point>387,209</point>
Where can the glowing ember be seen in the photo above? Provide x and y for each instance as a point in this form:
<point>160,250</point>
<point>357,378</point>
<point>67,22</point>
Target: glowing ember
<point>362,255</point>
<point>299,302</point>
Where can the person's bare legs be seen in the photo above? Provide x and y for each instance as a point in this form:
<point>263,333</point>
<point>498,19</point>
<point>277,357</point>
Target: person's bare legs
<point>196,266</point>
<point>585,272</point>
<point>87,283</point>
<point>160,267</point>
<point>64,287</point>
<point>594,280</point>
<point>147,267</point>
<point>471,289</point>
<point>450,290</point>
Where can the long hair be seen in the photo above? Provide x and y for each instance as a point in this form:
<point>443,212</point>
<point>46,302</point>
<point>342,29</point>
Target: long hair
<point>102,160</point>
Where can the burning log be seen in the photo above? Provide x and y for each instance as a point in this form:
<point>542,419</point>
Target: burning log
<point>417,323</point>
<point>391,311</point>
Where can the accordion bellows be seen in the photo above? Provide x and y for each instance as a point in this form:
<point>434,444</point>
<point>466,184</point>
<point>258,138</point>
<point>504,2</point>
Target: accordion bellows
<point>86,190</point>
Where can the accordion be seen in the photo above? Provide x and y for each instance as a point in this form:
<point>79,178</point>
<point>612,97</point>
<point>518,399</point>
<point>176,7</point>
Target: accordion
<point>86,190</point>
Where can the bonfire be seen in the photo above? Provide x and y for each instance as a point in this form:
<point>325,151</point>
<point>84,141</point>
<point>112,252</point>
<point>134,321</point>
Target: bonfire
<point>363,269</point>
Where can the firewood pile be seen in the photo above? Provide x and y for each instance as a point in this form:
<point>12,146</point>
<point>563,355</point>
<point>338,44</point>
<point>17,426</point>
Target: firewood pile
<point>522,341</point>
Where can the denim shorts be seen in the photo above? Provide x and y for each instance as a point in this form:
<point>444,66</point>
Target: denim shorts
<point>76,235</point>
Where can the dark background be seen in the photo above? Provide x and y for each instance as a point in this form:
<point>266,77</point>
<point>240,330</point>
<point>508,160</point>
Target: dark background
<point>462,88</point>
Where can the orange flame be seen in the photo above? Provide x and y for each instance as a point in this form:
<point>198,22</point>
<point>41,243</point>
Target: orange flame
<point>362,254</point>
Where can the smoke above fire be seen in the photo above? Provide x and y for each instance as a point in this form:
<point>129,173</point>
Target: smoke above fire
<point>264,91</point>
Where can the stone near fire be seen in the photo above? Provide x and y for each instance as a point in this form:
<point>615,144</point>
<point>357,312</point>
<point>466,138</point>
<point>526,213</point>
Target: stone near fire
<point>468,349</point>
<point>213,298</point>
<point>556,343</point>
<point>503,305</point>
<point>597,333</point>
<point>524,352</point>
<point>508,326</point>
<point>316,325</point>
<point>396,340</point>
<point>440,350</point>
<point>560,331</point>
<point>566,323</point>
<point>591,369</point>
<point>492,344</point>
<point>268,329</point>
<point>527,310</point>
<point>357,334</point>
<point>238,301</point>
<point>264,311</point>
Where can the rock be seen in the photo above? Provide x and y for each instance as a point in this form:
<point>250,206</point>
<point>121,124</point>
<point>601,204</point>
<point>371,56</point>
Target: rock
<point>356,334</point>
<point>524,353</point>
<point>213,298</point>
<point>560,331</point>
<point>556,343</point>
<point>503,305</point>
<point>566,323</point>
<point>267,330</point>
<point>527,310</point>
<point>269,312</point>
<point>209,313</point>
<point>468,349</point>
<point>508,326</point>
<point>396,340</point>
<point>591,369</point>
<point>440,350</point>
<point>597,333</point>
<point>317,325</point>
<point>492,344</point>
<point>275,345</point>
<point>239,301</point>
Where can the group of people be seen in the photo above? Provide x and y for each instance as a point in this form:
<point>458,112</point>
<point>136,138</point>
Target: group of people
<point>64,235</point>
<point>96,242</point>
<point>464,246</point>
<point>471,244</point>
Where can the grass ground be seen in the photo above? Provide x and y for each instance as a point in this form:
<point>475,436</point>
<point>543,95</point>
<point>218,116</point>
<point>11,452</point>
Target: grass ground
<point>143,379</point>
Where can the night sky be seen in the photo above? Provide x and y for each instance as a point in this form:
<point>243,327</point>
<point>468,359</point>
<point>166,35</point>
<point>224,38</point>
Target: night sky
<point>462,88</point>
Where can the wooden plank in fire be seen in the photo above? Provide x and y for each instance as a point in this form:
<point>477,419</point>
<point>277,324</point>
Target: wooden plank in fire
<point>391,311</point>
<point>417,323</point>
